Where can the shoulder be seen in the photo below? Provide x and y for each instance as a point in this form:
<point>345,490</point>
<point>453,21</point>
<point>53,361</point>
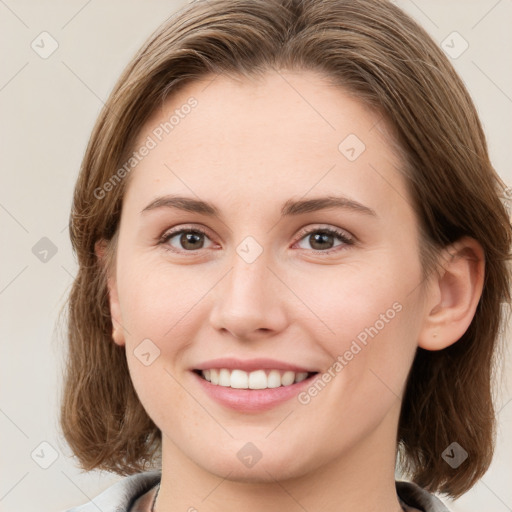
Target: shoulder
<point>413,495</point>
<point>120,496</point>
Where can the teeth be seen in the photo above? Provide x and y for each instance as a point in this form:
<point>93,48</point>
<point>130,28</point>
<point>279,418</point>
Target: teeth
<point>299,377</point>
<point>287,378</point>
<point>224,377</point>
<point>274,379</point>
<point>239,379</point>
<point>258,379</point>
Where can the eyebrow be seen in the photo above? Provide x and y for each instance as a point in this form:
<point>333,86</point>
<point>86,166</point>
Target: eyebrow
<point>290,207</point>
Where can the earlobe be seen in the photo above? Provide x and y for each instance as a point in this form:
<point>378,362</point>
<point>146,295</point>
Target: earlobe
<point>100,248</point>
<point>115,313</point>
<point>453,295</point>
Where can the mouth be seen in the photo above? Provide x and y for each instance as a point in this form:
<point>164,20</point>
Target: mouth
<point>254,380</point>
<point>252,391</point>
<point>252,385</point>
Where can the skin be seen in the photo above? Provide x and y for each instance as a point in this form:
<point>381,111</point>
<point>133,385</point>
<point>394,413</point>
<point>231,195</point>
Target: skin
<point>249,146</point>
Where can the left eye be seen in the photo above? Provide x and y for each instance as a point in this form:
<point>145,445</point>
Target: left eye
<point>324,239</point>
<point>187,239</point>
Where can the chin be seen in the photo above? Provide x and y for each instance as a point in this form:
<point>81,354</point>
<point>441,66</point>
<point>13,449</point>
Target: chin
<point>268,469</point>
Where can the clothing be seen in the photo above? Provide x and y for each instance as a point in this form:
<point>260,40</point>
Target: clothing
<point>135,494</point>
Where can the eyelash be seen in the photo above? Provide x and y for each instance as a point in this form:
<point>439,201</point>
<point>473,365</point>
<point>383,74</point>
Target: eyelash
<point>340,235</point>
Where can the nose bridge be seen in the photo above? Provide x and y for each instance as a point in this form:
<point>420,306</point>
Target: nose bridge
<point>248,280</point>
<point>248,300</point>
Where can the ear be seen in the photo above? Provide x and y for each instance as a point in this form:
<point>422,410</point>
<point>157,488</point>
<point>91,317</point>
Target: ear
<point>100,248</point>
<point>453,295</point>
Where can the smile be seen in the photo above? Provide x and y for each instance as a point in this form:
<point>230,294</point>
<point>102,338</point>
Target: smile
<point>245,399</point>
<point>258,379</point>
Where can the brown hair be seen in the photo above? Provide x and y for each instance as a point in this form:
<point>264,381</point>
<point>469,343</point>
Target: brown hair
<point>373,50</point>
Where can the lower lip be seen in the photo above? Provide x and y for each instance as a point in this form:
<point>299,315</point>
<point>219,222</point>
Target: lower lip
<point>252,400</point>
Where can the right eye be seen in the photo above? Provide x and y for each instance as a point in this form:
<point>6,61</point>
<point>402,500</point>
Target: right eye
<point>184,240</point>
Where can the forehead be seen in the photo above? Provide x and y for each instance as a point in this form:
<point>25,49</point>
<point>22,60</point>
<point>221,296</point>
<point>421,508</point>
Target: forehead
<point>264,106</point>
<point>292,130</point>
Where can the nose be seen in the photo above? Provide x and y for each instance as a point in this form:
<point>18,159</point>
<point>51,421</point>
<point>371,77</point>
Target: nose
<point>250,302</point>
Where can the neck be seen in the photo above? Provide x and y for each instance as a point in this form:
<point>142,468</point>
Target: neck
<point>361,479</point>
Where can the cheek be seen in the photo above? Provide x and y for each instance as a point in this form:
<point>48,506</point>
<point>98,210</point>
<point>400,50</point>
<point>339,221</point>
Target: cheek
<point>367,319</point>
<point>356,300</point>
<point>160,315</point>
<point>162,302</point>
<point>161,311</point>
<point>161,395</point>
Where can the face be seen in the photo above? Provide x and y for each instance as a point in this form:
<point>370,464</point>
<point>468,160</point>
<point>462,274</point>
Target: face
<point>268,240</point>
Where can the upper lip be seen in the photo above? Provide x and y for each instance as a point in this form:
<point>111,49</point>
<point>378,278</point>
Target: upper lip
<point>249,365</point>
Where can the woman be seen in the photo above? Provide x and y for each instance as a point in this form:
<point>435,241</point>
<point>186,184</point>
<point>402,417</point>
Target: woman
<point>292,257</point>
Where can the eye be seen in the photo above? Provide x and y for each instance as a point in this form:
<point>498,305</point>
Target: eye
<point>185,240</point>
<point>320,240</point>
<point>324,239</point>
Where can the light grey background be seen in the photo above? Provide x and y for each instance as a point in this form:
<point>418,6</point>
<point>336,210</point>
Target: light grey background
<point>48,109</point>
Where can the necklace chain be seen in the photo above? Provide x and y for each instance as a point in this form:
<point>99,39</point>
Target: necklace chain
<point>154,499</point>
